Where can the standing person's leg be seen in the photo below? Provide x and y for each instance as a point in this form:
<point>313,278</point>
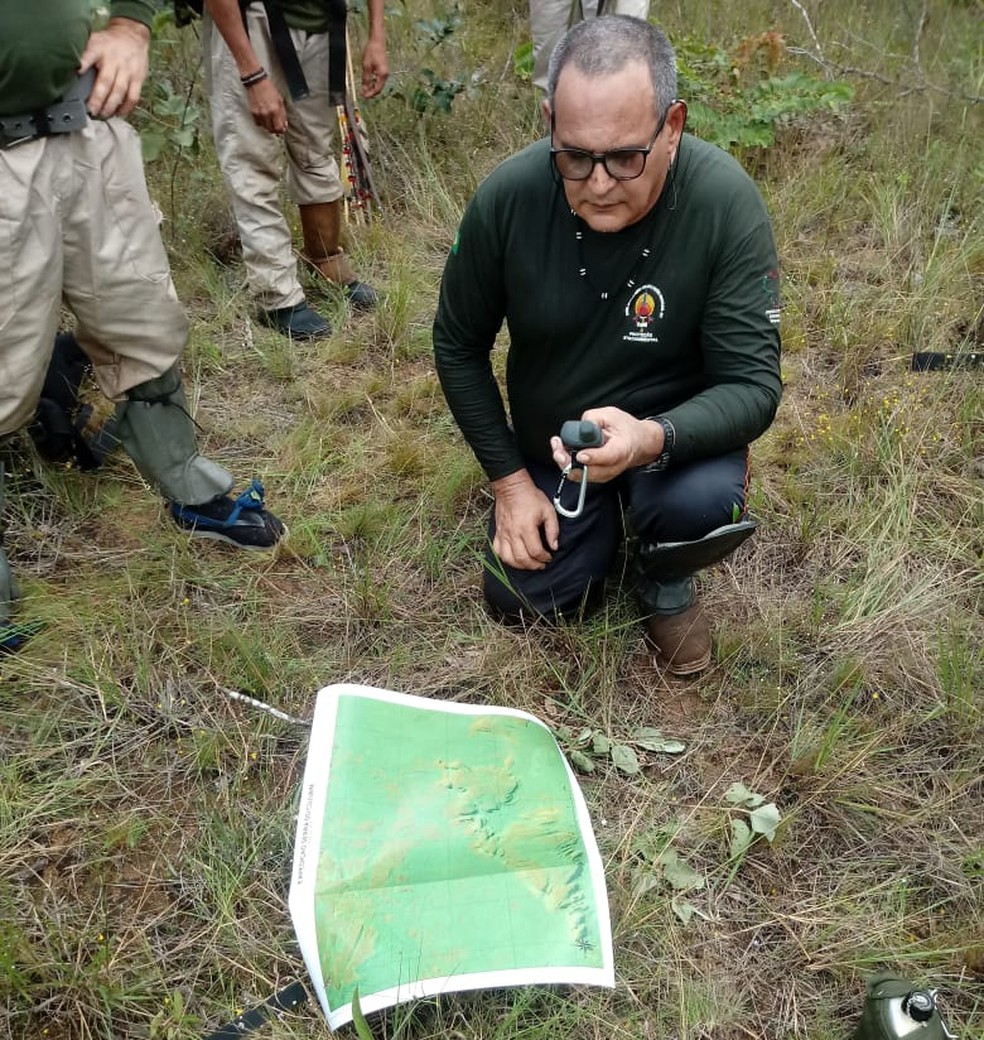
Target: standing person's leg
<point>34,183</point>
<point>684,520</point>
<point>635,8</point>
<point>252,161</point>
<point>117,281</point>
<point>12,635</point>
<point>574,580</point>
<point>313,180</point>
<point>549,20</point>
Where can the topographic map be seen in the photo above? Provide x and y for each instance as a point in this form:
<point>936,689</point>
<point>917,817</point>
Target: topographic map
<point>453,851</point>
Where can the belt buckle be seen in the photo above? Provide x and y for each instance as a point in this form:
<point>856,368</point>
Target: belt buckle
<point>65,117</point>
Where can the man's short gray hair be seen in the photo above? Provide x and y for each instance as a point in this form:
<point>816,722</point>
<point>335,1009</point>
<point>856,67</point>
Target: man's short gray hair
<point>602,46</point>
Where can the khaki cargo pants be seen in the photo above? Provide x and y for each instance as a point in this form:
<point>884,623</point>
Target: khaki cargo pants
<point>252,159</point>
<point>550,19</point>
<point>78,227</point>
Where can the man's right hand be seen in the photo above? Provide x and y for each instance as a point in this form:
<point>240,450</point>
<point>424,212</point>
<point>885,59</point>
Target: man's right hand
<point>265,103</point>
<point>119,55</point>
<point>267,106</point>
<point>524,519</point>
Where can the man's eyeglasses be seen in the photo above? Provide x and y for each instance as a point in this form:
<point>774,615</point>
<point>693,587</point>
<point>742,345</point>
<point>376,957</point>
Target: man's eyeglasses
<point>622,164</point>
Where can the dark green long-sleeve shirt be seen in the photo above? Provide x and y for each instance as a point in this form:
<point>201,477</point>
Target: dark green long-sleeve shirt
<point>695,337</point>
<point>41,42</point>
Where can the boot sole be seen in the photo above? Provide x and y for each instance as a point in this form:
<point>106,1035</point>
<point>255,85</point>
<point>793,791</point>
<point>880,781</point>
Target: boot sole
<point>678,668</point>
<point>684,669</point>
<point>298,337</point>
<point>221,536</point>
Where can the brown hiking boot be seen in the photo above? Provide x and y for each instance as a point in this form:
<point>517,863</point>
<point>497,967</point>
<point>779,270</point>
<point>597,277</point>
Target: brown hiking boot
<point>681,642</point>
<point>321,224</point>
<point>337,269</point>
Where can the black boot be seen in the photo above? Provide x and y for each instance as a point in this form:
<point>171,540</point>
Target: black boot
<point>59,427</point>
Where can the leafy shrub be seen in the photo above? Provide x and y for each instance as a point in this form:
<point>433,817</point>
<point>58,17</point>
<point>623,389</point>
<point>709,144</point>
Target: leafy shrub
<point>737,99</point>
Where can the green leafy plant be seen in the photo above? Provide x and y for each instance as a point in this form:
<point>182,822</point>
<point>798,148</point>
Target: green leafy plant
<point>173,1020</point>
<point>362,1029</point>
<point>760,818</point>
<point>436,30</point>
<point>523,60</point>
<point>429,90</point>
<point>174,124</point>
<point>434,93</point>
<point>171,118</point>
<point>660,866</point>
<point>738,99</point>
<point>170,122</point>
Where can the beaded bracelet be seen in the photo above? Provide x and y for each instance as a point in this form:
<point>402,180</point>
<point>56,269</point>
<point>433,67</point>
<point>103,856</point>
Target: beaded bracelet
<point>253,78</point>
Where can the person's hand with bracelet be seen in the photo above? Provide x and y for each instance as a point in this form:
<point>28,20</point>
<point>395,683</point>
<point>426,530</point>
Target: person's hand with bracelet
<point>265,102</point>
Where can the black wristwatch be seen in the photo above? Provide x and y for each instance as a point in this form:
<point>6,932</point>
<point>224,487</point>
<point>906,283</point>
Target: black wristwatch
<point>662,460</point>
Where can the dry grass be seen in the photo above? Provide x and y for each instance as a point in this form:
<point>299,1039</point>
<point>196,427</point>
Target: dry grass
<point>146,819</point>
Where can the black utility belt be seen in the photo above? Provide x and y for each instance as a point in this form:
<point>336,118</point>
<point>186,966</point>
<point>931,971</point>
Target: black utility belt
<point>61,117</point>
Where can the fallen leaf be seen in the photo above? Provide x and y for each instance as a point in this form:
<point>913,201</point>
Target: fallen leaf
<point>741,837</point>
<point>600,744</point>
<point>678,872</point>
<point>739,794</point>
<point>644,881</point>
<point>764,820</point>
<point>625,759</point>
<point>655,741</point>
<point>684,909</point>
<point>580,761</point>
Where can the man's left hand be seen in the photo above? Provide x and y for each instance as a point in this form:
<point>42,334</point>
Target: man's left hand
<point>628,442</point>
<point>375,68</point>
<point>119,55</point>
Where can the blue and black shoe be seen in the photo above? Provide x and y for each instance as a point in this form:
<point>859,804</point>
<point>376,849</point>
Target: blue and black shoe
<point>242,521</point>
<point>14,635</point>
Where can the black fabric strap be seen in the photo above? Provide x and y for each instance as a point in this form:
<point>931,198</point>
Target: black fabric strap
<point>59,428</point>
<point>284,46</point>
<point>290,64</point>
<point>286,1000</point>
<point>337,50</point>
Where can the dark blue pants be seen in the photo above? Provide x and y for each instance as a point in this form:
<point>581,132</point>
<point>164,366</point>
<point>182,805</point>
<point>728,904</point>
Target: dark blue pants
<point>680,504</point>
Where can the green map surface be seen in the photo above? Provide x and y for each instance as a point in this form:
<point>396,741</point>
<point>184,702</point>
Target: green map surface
<point>449,846</point>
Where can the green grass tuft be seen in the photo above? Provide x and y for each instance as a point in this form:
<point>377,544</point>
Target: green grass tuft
<point>146,817</point>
